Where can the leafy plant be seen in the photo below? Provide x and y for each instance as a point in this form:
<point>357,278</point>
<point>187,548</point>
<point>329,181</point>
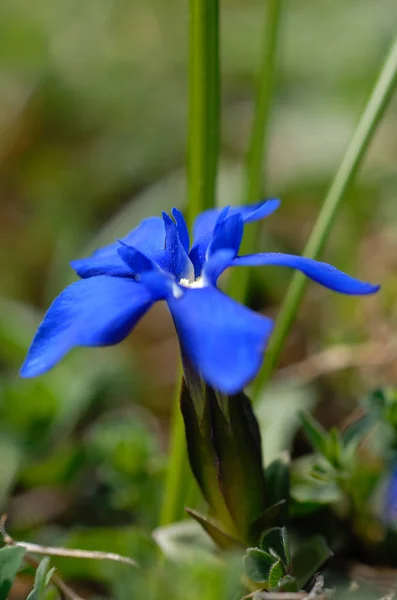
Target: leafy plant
<point>275,567</point>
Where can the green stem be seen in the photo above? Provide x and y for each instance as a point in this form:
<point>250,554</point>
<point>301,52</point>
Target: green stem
<point>259,140</point>
<point>203,151</point>
<point>178,484</point>
<point>203,147</point>
<point>346,173</point>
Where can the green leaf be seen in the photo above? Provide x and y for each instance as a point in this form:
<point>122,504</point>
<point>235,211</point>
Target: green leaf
<point>10,561</point>
<point>273,516</point>
<point>225,454</point>
<point>316,435</point>
<point>237,443</point>
<point>41,580</point>
<point>354,433</point>
<point>257,564</point>
<point>202,457</point>
<point>273,543</point>
<point>288,584</point>
<point>277,477</point>
<point>335,448</point>
<point>310,556</point>
<point>276,573</point>
<point>383,404</point>
<point>215,531</point>
<point>286,546</point>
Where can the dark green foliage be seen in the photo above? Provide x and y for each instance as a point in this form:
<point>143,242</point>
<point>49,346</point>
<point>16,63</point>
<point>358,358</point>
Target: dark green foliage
<point>214,530</point>
<point>257,564</point>
<point>10,562</point>
<point>225,453</point>
<point>276,568</point>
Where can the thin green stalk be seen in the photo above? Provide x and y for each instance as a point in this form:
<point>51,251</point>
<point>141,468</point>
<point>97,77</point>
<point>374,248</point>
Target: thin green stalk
<point>259,140</point>
<point>203,142</point>
<point>179,478</point>
<point>203,151</point>
<point>346,173</point>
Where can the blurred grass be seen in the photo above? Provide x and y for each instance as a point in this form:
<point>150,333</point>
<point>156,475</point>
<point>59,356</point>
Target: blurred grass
<point>93,121</point>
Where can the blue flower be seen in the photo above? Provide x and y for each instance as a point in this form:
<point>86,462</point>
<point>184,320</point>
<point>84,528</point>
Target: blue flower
<point>223,340</point>
<point>389,512</point>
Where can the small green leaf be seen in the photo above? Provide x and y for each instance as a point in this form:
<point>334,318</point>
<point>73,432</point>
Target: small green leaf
<point>310,556</point>
<point>316,434</point>
<point>273,516</point>
<point>288,584</point>
<point>335,448</point>
<point>383,405</point>
<point>355,433</point>
<point>277,477</point>
<point>257,564</point>
<point>49,575</point>
<point>276,573</point>
<point>215,531</point>
<point>273,543</point>
<point>286,546</point>
<point>41,580</point>
<point>10,561</point>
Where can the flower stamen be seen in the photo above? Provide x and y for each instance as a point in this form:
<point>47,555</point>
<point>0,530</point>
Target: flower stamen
<point>197,283</point>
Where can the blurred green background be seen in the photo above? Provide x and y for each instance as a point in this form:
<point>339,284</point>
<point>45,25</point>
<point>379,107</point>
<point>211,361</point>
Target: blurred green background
<point>93,119</point>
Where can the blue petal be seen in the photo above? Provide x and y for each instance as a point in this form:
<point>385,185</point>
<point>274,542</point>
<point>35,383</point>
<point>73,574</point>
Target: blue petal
<point>205,225</point>
<point>259,211</point>
<point>160,283</point>
<point>223,248</point>
<point>216,264</point>
<point>321,272</point>
<point>390,503</point>
<point>98,311</point>
<point>136,262</point>
<point>228,234</point>
<point>177,260</point>
<point>104,261</point>
<point>206,221</point>
<point>181,227</point>
<point>222,339</point>
<point>148,237</point>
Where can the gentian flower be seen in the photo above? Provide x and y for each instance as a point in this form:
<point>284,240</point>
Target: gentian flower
<point>390,501</point>
<point>223,340</point>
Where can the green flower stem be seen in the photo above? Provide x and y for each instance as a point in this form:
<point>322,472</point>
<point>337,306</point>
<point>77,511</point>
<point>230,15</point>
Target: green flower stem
<point>254,171</point>
<point>179,481</point>
<point>350,164</point>
<point>204,107</point>
<point>203,151</point>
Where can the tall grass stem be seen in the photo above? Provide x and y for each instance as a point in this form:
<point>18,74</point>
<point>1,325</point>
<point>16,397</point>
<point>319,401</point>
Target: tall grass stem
<point>255,168</point>
<point>371,116</point>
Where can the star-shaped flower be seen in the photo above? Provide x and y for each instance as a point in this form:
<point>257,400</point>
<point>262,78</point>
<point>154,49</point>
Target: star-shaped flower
<point>223,340</point>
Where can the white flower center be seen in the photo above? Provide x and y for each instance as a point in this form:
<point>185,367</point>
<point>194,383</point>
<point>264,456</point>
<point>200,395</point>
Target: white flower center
<point>197,283</point>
